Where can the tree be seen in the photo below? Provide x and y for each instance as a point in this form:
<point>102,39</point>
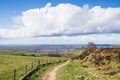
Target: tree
<point>91,45</point>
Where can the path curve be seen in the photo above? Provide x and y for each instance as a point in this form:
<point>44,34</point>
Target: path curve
<point>51,75</point>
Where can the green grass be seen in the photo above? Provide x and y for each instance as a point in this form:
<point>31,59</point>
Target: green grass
<point>72,71</point>
<point>77,51</point>
<point>6,52</point>
<point>10,62</point>
<point>21,53</point>
<point>76,71</point>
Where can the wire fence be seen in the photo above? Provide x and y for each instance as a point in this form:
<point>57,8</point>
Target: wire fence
<point>30,69</point>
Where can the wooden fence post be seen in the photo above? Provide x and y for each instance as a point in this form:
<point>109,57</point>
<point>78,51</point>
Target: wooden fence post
<point>32,65</point>
<point>39,62</point>
<point>14,74</point>
<point>43,61</point>
<point>47,60</point>
<point>26,69</point>
<point>36,63</point>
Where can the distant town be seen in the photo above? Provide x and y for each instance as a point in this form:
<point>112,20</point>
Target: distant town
<point>46,49</point>
<point>42,48</point>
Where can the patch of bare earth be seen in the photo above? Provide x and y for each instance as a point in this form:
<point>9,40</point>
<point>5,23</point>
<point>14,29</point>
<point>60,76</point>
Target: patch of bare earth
<point>51,75</point>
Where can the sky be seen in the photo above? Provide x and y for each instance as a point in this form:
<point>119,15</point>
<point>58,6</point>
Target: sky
<point>59,21</point>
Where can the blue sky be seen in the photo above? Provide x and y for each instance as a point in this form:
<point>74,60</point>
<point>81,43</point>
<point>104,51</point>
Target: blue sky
<point>10,10</point>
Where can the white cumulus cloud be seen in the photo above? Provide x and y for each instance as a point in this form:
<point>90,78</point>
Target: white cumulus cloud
<point>82,39</point>
<point>64,19</point>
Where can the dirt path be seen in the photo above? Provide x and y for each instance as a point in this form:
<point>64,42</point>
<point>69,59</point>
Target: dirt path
<point>51,75</point>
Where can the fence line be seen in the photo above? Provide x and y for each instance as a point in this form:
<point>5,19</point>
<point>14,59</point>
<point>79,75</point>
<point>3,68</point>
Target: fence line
<point>34,65</point>
<point>14,73</point>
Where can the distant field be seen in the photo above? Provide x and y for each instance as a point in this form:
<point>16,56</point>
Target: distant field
<point>77,51</point>
<point>10,62</point>
<point>21,53</point>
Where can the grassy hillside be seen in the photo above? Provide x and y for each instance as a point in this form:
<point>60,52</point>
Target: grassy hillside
<point>72,71</point>
<point>10,62</point>
<point>93,64</point>
<point>77,71</point>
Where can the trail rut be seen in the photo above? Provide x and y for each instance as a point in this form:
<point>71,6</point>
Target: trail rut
<point>51,75</point>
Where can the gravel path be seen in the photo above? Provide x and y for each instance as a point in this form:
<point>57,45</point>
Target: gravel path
<point>51,75</point>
